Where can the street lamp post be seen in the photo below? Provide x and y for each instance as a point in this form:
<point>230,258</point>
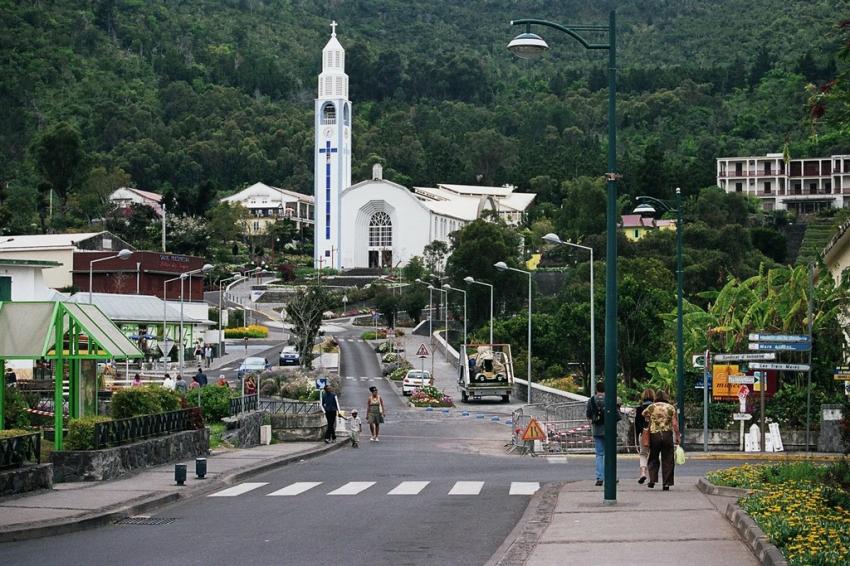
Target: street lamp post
<point>245,311</point>
<point>502,266</point>
<point>470,280</point>
<point>181,353</point>
<point>220,311</point>
<point>448,287</point>
<point>554,239</point>
<point>123,255</point>
<point>648,204</point>
<point>528,45</point>
<point>430,310</point>
<point>446,314</point>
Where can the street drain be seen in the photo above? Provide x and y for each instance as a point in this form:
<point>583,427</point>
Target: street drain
<point>152,521</point>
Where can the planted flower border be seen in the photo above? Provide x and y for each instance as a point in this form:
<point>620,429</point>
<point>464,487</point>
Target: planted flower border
<point>430,397</point>
<point>803,507</point>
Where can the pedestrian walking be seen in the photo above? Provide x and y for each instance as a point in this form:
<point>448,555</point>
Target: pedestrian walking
<point>663,434</point>
<point>180,386</point>
<point>168,383</point>
<point>201,377</point>
<point>199,354</point>
<point>595,412</point>
<point>11,378</point>
<point>222,380</point>
<point>330,406</point>
<point>208,355</point>
<point>355,426</point>
<point>642,431</point>
<point>137,381</point>
<point>375,413</point>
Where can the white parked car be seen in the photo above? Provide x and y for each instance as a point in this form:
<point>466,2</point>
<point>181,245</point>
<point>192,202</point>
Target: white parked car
<point>415,379</point>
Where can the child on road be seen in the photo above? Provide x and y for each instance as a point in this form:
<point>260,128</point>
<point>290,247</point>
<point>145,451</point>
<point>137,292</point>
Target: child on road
<point>354,426</point>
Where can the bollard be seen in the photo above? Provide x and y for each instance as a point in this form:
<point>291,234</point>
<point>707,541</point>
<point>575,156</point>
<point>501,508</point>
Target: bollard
<point>201,468</point>
<point>446,411</point>
<point>465,413</point>
<point>429,408</point>
<point>494,419</point>
<point>180,473</point>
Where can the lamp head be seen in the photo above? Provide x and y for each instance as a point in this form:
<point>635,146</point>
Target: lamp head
<point>469,280</point>
<point>431,288</point>
<point>446,286</point>
<point>501,266</point>
<point>552,238</point>
<point>207,268</point>
<point>124,254</point>
<point>528,46</point>
<point>418,280</point>
<point>644,208</point>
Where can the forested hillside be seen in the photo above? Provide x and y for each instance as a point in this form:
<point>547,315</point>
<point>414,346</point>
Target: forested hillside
<point>198,98</point>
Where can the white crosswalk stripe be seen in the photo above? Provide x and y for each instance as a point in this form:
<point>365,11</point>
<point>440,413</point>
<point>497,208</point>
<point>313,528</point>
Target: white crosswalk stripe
<point>295,489</point>
<point>238,489</point>
<point>353,488</point>
<point>467,488</point>
<point>524,488</point>
<point>409,488</point>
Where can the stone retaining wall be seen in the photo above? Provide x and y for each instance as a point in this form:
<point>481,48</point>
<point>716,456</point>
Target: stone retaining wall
<point>289,428</point>
<point>27,478</point>
<point>109,463</point>
<point>244,430</point>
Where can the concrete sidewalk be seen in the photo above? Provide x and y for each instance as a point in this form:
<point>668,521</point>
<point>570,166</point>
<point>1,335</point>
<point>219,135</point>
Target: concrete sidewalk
<point>80,505</point>
<point>646,525</point>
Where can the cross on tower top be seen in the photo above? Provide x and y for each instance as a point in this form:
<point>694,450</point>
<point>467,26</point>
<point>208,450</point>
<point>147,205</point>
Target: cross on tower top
<point>333,28</point>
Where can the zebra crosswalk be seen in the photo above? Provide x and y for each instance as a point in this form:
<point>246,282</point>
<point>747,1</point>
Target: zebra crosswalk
<point>410,488</point>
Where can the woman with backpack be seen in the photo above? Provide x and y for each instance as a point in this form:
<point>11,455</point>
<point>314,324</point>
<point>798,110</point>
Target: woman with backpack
<point>642,431</point>
<point>663,436</point>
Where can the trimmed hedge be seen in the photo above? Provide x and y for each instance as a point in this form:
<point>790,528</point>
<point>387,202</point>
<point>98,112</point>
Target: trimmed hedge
<point>81,433</point>
<point>215,401</point>
<point>147,400</point>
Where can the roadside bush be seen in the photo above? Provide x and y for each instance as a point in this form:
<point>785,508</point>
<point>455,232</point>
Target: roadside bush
<point>81,433</point>
<point>252,331</point>
<point>371,335</point>
<point>13,432</point>
<point>148,400</point>
<point>390,357</point>
<point>15,408</point>
<point>269,387</point>
<point>215,401</point>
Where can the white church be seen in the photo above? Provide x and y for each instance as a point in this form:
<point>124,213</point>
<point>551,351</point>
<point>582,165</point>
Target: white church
<point>378,223</point>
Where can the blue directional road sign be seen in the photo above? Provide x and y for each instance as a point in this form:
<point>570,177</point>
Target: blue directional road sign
<point>781,346</point>
<point>755,337</point>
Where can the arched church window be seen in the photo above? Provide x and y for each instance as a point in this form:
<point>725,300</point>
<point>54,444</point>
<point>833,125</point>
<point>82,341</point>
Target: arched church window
<point>380,230</point>
<point>328,113</point>
<point>346,116</point>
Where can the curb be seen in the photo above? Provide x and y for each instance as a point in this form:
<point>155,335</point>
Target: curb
<point>522,540</point>
<point>147,503</point>
<point>709,488</point>
<point>754,537</point>
<point>767,457</point>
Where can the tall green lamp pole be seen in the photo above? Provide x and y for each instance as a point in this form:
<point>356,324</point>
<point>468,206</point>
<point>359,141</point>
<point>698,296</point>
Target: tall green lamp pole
<point>528,45</point>
<point>648,205</point>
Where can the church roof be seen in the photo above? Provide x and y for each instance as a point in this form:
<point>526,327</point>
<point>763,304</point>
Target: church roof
<point>477,190</point>
<point>274,193</point>
<point>462,208</point>
<point>517,201</point>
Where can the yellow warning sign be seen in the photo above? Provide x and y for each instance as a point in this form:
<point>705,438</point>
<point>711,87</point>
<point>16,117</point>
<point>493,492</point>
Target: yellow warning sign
<point>533,431</point>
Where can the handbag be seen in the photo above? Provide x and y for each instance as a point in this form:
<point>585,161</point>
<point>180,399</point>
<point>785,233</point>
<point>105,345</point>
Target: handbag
<point>381,419</point>
<point>680,455</point>
<point>644,438</point>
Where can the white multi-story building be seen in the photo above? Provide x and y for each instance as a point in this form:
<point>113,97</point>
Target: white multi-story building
<point>800,185</point>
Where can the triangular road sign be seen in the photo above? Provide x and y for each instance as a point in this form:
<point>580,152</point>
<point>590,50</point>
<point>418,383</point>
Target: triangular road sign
<point>423,352</point>
<point>533,431</point>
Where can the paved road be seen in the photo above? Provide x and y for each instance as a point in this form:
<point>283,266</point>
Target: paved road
<point>437,490</point>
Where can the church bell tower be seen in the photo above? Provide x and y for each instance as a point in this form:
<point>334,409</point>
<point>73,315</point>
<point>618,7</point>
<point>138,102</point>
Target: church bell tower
<point>332,153</point>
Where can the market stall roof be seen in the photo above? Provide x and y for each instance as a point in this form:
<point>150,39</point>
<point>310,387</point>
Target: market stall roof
<point>135,308</point>
<point>28,331</point>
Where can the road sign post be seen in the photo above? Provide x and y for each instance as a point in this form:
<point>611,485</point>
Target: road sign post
<point>748,357</point>
<point>709,362</point>
<point>423,353</point>
<point>743,392</point>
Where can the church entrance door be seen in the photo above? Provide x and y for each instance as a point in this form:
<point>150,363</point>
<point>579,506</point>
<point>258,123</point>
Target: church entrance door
<point>387,258</point>
<point>374,260</point>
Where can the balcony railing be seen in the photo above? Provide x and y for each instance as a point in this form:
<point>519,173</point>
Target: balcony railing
<point>124,431</point>
<point>16,451</point>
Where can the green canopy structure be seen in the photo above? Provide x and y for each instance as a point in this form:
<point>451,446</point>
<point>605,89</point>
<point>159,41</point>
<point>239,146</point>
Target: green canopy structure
<point>70,335</point>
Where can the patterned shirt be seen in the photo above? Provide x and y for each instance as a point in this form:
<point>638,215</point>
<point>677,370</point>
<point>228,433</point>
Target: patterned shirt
<point>660,417</point>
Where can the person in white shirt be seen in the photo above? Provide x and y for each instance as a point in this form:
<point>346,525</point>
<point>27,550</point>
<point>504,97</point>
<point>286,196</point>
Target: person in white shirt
<point>354,426</point>
<point>168,383</point>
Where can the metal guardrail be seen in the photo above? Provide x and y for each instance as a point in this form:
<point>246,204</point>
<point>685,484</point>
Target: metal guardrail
<point>289,407</point>
<point>242,404</point>
<point>16,451</point>
<point>124,431</point>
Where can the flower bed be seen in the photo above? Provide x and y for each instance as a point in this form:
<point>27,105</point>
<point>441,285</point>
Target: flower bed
<point>803,507</point>
<point>252,331</point>
<point>430,397</point>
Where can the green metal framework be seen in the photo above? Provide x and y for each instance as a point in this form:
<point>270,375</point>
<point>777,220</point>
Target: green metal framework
<point>62,333</point>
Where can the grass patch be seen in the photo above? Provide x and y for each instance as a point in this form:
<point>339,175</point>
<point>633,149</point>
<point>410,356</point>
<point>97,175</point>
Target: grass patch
<point>216,430</point>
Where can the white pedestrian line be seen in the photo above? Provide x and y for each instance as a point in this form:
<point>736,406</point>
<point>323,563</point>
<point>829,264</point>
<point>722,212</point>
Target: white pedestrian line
<point>225,368</point>
<point>524,488</point>
<point>350,377</point>
<point>364,378</point>
<point>296,489</point>
<point>467,488</point>
<point>409,488</point>
<point>238,489</point>
<point>353,488</point>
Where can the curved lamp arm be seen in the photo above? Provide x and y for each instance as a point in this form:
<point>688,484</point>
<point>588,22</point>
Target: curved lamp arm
<point>572,31</point>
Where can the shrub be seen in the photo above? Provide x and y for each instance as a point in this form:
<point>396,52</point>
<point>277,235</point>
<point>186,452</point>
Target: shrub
<point>13,432</point>
<point>81,433</point>
<point>148,400</point>
<point>15,408</point>
<point>252,331</point>
<point>215,401</point>
<point>269,387</point>
<point>390,357</point>
<point>371,335</point>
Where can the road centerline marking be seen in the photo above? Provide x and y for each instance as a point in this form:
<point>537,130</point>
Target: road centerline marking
<point>296,488</point>
<point>238,489</point>
<point>467,488</point>
<point>409,488</point>
<point>352,488</point>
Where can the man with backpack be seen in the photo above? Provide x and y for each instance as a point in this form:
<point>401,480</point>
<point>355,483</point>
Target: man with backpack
<point>596,415</point>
